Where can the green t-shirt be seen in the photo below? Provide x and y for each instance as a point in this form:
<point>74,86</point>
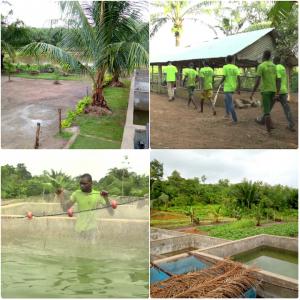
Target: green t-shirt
<point>267,72</point>
<point>207,74</point>
<point>190,75</point>
<point>281,73</point>
<point>231,72</point>
<point>171,71</point>
<point>86,220</point>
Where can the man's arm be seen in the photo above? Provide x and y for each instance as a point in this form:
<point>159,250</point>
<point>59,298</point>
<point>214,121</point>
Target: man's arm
<point>104,194</point>
<point>255,86</point>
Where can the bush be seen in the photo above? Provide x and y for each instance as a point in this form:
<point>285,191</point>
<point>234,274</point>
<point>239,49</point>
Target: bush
<point>72,114</point>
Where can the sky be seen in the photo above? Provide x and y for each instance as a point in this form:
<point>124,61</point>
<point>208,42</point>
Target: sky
<point>269,166</point>
<point>77,162</point>
<point>38,13</point>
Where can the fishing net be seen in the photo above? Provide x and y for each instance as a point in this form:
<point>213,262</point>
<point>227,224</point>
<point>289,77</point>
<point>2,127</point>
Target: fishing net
<point>225,279</point>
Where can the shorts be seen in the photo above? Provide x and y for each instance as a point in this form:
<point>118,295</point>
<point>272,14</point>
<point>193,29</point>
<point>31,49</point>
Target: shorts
<point>206,94</point>
<point>191,90</point>
<point>267,100</point>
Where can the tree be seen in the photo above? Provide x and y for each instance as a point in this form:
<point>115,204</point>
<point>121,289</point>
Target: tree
<point>233,17</point>
<point>101,30</point>
<point>176,12</point>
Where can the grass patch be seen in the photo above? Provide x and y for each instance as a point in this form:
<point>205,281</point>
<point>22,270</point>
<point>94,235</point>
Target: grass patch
<point>83,142</point>
<point>170,224</point>
<point>48,76</point>
<point>104,132</point>
<point>244,228</point>
<point>64,135</point>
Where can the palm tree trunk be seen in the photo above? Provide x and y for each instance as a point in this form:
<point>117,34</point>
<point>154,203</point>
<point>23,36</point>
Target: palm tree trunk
<point>115,82</point>
<point>98,98</point>
<point>177,38</point>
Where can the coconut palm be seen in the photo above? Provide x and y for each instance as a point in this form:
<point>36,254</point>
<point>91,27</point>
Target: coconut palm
<point>176,12</point>
<point>100,31</point>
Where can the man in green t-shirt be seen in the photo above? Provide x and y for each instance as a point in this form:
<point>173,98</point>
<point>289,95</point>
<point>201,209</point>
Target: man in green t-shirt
<point>171,74</point>
<point>190,77</point>
<point>206,75</point>
<point>269,85</point>
<point>282,97</point>
<point>87,201</point>
<point>231,79</point>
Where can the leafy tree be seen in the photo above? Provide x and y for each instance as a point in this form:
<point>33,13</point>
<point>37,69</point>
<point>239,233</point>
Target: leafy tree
<point>101,31</point>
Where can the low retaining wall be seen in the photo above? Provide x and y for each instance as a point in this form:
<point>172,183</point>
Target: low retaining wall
<point>185,240</point>
<point>235,247</point>
<point>135,210</point>
<point>60,227</point>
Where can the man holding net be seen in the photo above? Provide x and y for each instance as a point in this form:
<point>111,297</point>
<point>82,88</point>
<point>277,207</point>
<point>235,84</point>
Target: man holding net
<point>87,201</point>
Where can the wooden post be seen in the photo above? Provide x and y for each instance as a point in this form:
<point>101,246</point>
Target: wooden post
<point>87,91</point>
<point>59,120</point>
<point>37,136</point>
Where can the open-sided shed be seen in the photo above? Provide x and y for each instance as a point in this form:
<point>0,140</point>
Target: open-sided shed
<point>246,47</point>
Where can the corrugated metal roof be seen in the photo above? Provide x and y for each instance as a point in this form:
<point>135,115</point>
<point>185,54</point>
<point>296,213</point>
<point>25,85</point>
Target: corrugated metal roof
<point>228,45</point>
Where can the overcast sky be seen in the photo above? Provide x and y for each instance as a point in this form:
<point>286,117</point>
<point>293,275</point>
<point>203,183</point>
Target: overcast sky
<point>39,13</point>
<point>270,166</point>
<point>77,162</point>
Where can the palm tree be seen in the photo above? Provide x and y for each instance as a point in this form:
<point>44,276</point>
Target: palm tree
<point>120,66</point>
<point>176,12</point>
<point>100,31</point>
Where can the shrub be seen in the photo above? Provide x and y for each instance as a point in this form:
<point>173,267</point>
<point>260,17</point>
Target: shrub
<point>72,114</point>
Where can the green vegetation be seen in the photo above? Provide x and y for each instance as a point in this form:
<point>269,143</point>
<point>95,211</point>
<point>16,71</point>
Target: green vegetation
<point>48,76</point>
<point>18,182</point>
<point>249,207</point>
<point>244,228</point>
<point>105,131</point>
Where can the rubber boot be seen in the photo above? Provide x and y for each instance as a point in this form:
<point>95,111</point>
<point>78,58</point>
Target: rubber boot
<point>268,123</point>
<point>202,102</point>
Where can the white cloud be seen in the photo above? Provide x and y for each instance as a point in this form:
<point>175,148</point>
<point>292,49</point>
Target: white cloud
<point>270,166</point>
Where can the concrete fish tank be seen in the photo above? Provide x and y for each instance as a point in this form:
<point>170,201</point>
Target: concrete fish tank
<point>44,257</point>
<point>136,131</point>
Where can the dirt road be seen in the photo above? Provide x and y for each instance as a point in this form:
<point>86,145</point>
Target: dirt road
<point>174,125</point>
<point>28,101</point>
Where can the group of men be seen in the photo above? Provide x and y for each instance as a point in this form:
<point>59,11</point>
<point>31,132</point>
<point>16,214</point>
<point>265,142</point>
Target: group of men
<point>271,77</point>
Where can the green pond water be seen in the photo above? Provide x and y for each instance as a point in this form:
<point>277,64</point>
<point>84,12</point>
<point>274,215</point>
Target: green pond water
<point>140,117</point>
<point>55,269</point>
<point>270,259</point>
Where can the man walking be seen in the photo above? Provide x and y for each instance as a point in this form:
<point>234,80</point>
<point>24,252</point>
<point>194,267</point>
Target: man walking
<point>283,95</point>
<point>171,74</point>
<point>206,75</point>
<point>267,78</point>
<point>190,76</point>
<point>232,82</point>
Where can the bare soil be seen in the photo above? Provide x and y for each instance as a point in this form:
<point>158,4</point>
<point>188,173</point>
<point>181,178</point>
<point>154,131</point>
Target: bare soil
<point>25,102</point>
<point>176,126</point>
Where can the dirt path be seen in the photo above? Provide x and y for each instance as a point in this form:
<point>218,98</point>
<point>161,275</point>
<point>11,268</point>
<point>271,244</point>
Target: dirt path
<point>28,101</point>
<point>173,125</point>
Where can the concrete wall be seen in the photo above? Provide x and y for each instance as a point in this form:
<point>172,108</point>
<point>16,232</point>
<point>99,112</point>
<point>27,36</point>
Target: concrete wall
<point>60,227</point>
<point>235,247</point>
<point>171,244</point>
<point>135,210</point>
<point>158,233</point>
<point>138,98</point>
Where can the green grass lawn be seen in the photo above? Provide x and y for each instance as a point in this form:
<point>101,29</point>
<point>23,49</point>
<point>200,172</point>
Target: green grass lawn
<point>104,132</point>
<point>244,228</point>
<point>48,76</point>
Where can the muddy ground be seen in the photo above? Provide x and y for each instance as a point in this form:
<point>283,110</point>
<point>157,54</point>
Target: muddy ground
<point>28,101</point>
<point>175,126</point>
